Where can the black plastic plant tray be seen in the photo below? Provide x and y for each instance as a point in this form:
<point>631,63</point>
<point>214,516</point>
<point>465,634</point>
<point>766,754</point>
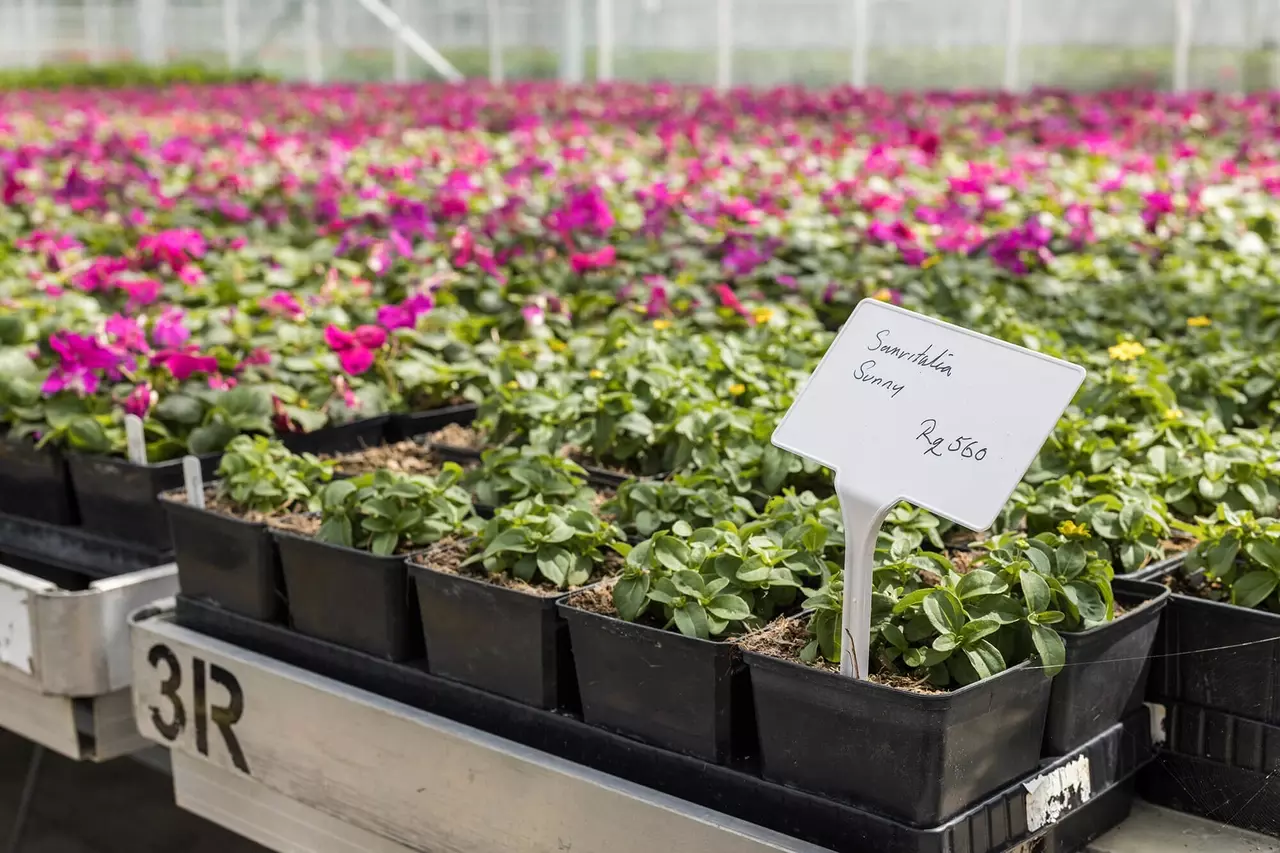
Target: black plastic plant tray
<point>1000,823</point>
<point>72,549</point>
<point>1217,765</point>
<point>412,424</point>
<point>1157,570</point>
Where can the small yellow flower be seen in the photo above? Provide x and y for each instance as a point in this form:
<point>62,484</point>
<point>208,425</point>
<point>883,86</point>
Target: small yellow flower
<point>930,261</point>
<point>884,294</point>
<point>1126,351</point>
<point>557,345</point>
<point>1199,322</point>
<point>737,388</point>
<point>1172,414</point>
<point>513,385</point>
<point>1070,528</point>
<point>662,325</point>
<point>762,315</point>
<point>596,374</point>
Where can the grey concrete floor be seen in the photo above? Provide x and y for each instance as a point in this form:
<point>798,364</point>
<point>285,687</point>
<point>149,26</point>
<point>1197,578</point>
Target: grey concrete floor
<point>117,807</point>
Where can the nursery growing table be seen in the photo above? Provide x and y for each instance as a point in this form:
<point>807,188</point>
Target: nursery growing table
<point>297,761</point>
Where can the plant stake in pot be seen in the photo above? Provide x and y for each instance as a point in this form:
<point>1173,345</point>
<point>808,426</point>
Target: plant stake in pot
<point>134,441</point>
<point>891,409</point>
<point>193,479</point>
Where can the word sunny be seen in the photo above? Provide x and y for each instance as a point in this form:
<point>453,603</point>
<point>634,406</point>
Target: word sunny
<point>926,357</point>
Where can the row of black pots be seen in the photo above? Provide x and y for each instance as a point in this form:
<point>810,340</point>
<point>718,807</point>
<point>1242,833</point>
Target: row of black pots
<point>113,497</point>
<point>1218,656</point>
<point>916,757</point>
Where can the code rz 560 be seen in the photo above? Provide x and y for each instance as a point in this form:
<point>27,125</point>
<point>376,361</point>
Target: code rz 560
<point>966,446</point>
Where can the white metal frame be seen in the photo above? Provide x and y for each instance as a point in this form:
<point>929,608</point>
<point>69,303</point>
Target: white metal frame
<point>65,665</point>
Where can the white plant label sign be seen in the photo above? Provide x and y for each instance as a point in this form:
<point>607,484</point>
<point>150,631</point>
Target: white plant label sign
<point>905,407</point>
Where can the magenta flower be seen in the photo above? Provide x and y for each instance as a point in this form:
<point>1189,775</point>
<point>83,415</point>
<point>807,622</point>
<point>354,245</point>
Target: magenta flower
<point>729,300</point>
<point>176,247</point>
<point>533,315</point>
<point>82,361</point>
<point>142,291</point>
<point>140,400</point>
<point>169,331</point>
<point>392,317</point>
<point>584,262</point>
<point>127,333</point>
<point>181,364</point>
<point>355,348</point>
<point>218,382</point>
<point>282,303</point>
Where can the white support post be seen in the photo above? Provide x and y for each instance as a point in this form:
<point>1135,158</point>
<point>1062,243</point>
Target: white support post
<point>861,42</point>
<point>493,25</point>
<point>406,34</point>
<point>1012,44</point>
<point>311,41</point>
<point>604,40</point>
<point>573,43</point>
<point>724,44</point>
<point>231,32</point>
<point>1182,45</point>
<point>340,35</point>
<point>93,34</point>
<point>32,37</point>
<point>399,58</point>
<point>151,26</point>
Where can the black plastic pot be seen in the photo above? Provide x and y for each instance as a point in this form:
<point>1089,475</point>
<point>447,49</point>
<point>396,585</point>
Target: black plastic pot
<point>118,499</point>
<point>918,758</point>
<point>1217,765</point>
<point>681,693</point>
<point>225,561</point>
<point>1105,678</point>
<point>405,426</point>
<point>35,483</point>
<point>349,597</point>
<point>347,438</point>
<point>502,640</point>
<point>1218,656</point>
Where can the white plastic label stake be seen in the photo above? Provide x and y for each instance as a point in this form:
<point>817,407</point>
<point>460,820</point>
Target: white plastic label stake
<point>904,407</point>
<point>135,442</point>
<point>194,481</point>
<point>16,646</point>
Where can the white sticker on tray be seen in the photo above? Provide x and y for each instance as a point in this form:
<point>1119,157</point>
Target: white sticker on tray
<point>1052,795</point>
<point>16,647</point>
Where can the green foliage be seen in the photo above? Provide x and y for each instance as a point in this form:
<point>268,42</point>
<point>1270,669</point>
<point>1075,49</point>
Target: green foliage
<point>718,581</point>
<point>543,543</point>
<point>122,75</point>
<point>257,474</point>
<point>509,474</point>
<point>1236,559</point>
<point>646,506</point>
<point>387,513</point>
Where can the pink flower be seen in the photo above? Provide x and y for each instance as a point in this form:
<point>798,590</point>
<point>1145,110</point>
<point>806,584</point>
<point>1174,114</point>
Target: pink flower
<point>140,400</point>
<point>729,300</point>
<point>258,356</point>
<point>584,262</point>
<point>355,349</point>
<point>218,382</point>
<point>191,274</point>
<point>176,247</point>
<point>282,303</point>
<point>169,331</point>
<point>393,317</point>
<point>183,363</point>
<point>343,387</point>
<point>81,360</point>
<point>143,291</point>
<point>127,333</point>
<point>356,360</point>
<point>533,315</point>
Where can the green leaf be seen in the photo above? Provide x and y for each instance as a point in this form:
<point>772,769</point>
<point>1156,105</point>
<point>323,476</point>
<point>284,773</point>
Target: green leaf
<point>384,544</point>
<point>87,436</point>
<point>979,628</point>
<point>630,596</point>
<point>554,562</point>
<point>1050,649</point>
<point>1253,588</point>
<point>691,620</point>
<point>672,553</point>
<point>729,607</point>
<point>682,529</point>
<point>1035,589</point>
<point>980,582</point>
<point>1039,561</point>
<point>943,612</point>
<point>211,438</point>
<point>180,408</point>
<point>985,658</point>
<point>1071,558</point>
<point>336,493</point>
<point>1263,553</point>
